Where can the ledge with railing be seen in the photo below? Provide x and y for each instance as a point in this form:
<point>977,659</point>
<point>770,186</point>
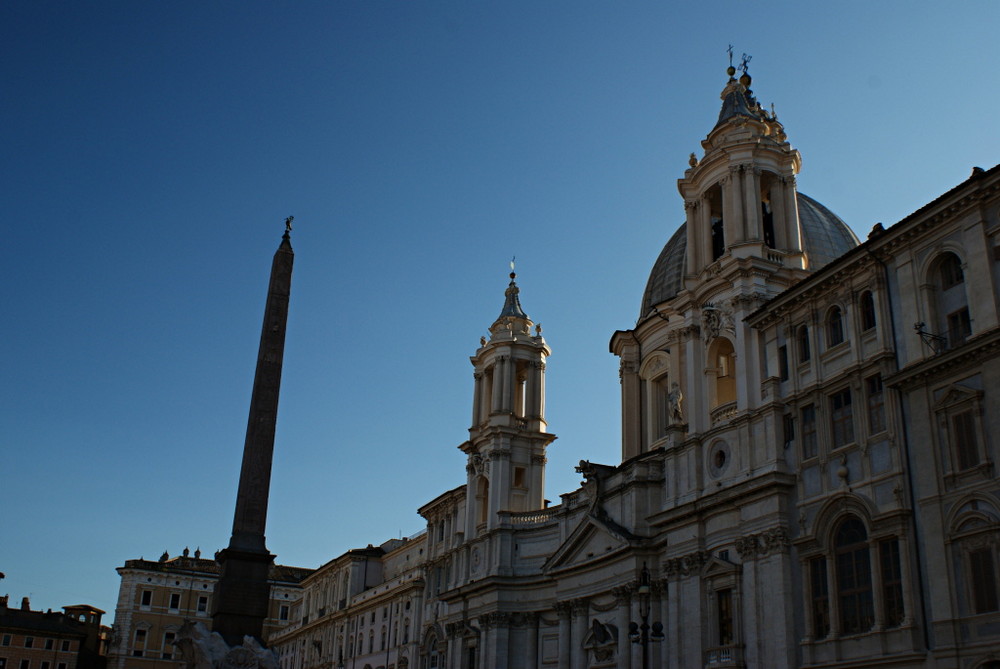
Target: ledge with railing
<point>536,517</point>
<point>723,413</point>
<point>724,656</point>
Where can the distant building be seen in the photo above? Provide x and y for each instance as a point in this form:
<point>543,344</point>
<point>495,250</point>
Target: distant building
<point>73,639</point>
<point>156,598</point>
<point>808,473</point>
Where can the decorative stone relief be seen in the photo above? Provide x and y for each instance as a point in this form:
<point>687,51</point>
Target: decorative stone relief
<point>752,546</point>
<point>686,564</point>
<point>601,640</point>
<point>717,319</point>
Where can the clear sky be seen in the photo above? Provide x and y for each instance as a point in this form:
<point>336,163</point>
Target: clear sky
<point>152,151</point>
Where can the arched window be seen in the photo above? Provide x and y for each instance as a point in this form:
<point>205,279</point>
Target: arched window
<point>834,327</point>
<point>951,303</point>
<point>867,308</point>
<point>724,362</point>
<point>802,343</point>
<point>854,576</point>
<point>483,499</point>
<point>718,229</point>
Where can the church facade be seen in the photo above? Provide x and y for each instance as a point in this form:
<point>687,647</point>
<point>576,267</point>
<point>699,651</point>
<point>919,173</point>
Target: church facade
<point>807,476</point>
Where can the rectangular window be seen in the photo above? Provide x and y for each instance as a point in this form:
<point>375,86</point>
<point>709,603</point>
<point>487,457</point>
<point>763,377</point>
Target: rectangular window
<point>959,327</point>
<point>168,645</point>
<point>283,612</point>
<point>963,439</point>
<point>803,341</point>
<point>820,594</point>
<point>5,640</point>
<point>518,477</point>
<point>65,645</point>
<point>147,598</point>
<point>783,362</point>
<point>841,418</point>
<point>788,429</point>
<point>45,664</point>
<point>202,604</point>
<point>809,449</point>
<point>50,644</point>
<point>175,600</point>
<point>140,636</point>
<point>983,580</point>
<point>136,653</point>
<point>725,622</point>
<point>29,642</point>
<point>61,665</point>
<point>892,582</point>
<point>876,404</point>
<point>25,664</point>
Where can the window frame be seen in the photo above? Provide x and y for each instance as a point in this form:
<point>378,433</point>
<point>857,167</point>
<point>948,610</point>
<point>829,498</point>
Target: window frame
<point>866,307</point>
<point>803,349</point>
<point>834,327</point>
<point>842,432</point>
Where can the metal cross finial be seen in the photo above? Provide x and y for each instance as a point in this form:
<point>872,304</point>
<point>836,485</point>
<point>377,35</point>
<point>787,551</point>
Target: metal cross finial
<point>744,62</point>
<point>288,223</point>
<point>730,51</point>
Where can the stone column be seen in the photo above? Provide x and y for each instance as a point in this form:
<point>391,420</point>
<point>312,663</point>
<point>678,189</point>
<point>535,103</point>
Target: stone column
<point>752,203</point>
<point>732,204</point>
<point>531,642</point>
<point>563,610</point>
<point>833,601</point>
<point>907,577</point>
<point>496,405</point>
<point>501,640</point>
<point>623,598</point>
<point>580,607</point>
<point>779,215</point>
<point>695,233</point>
<point>504,364</point>
<point>792,216</point>
<point>477,399</point>
<point>663,611</point>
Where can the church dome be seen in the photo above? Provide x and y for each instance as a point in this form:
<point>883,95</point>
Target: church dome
<point>825,237</point>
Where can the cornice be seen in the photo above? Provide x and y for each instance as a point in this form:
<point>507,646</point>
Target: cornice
<point>969,354</point>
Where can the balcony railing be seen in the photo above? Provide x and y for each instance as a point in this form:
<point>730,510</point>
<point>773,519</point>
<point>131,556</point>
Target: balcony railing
<point>723,656</point>
<point>723,413</point>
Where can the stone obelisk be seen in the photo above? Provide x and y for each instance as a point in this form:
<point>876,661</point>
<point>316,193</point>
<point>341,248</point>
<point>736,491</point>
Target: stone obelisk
<point>242,593</point>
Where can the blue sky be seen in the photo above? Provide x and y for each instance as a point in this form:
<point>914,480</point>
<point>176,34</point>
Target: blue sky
<point>152,151</point>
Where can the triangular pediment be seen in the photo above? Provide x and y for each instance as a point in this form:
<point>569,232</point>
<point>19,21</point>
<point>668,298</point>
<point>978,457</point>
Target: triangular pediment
<point>716,567</point>
<point>955,394</point>
<point>591,540</point>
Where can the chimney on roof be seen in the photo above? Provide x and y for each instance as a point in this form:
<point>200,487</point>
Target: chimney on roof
<point>25,604</point>
<point>3,601</point>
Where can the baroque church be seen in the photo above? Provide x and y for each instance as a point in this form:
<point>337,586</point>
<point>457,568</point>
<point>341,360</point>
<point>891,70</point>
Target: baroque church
<point>807,473</point>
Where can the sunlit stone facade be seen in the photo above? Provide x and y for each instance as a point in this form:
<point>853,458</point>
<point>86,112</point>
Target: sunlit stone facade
<point>807,477</point>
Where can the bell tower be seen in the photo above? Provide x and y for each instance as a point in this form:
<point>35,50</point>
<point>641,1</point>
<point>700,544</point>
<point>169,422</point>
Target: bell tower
<point>507,439</point>
<point>740,197</point>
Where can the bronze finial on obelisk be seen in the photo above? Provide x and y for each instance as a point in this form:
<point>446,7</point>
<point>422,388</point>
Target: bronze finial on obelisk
<point>242,593</point>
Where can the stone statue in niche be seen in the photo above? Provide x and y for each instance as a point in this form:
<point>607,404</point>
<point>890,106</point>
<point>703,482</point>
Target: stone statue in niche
<point>675,404</point>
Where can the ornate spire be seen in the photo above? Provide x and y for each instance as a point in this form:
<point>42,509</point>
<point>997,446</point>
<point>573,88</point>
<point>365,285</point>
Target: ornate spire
<point>512,304</point>
<point>512,319</point>
<point>738,100</point>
